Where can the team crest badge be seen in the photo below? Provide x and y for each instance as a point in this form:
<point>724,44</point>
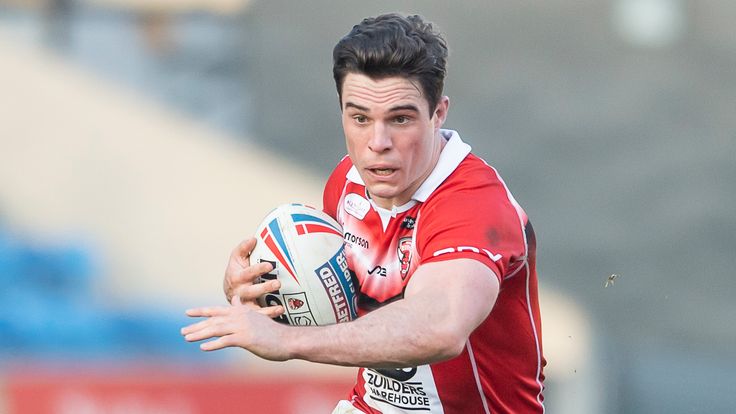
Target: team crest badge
<point>404,252</point>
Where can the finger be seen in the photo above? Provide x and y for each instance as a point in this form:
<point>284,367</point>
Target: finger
<point>242,251</point>
<point>209,331</point>
<point>249,293</point>
<point>207,311</point>
<point>235,301</point>
<point>250,273</point>
<point>214,345</point>
<point>195,327</point>
<point>235,278</point>
<point>272,311</point>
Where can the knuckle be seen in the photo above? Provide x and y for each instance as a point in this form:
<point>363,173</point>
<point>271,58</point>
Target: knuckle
<point>239,277</point>
<point>250,274</point>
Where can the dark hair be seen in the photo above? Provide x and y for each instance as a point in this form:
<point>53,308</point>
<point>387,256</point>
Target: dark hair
<point>393,45</point>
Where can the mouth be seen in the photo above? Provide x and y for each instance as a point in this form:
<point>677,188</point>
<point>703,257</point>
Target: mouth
<point>382,172</point>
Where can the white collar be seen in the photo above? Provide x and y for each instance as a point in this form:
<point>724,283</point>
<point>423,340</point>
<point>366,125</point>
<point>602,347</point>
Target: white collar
<point>451,156</point>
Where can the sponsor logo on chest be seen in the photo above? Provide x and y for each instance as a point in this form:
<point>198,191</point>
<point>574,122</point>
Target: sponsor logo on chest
<point>401,390</point>
<point>378,271</point>
<point>356,206</point>
<point>408,223</point>
<point>356,240</point>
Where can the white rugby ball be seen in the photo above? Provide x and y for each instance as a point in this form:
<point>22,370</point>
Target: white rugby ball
<point>305,245</point>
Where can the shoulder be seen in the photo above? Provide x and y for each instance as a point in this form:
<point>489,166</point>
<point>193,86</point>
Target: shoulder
<point>474,183</point>
<point>472,215</point>
<point>334,186</point>
<point>339,173</point>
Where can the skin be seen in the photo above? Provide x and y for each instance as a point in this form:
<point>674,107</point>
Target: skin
<point>238,284</point>
<point>394,142</point>
<point>391,137</point>
<point>431,324</point>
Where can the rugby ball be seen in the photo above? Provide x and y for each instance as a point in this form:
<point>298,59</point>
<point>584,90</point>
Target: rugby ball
<point>305,246</point>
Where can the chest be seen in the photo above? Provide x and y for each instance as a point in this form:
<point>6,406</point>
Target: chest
<point>381,251</point>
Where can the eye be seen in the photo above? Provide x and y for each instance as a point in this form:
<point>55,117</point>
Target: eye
<point>402,119</point>
<point>360,119</point>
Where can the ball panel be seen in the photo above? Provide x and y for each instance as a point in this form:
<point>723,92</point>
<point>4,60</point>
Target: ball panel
<point>305,246</point>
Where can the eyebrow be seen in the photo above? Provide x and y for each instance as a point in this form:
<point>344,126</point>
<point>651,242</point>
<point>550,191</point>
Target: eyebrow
<point>356,106</point>
<point>407,107</point>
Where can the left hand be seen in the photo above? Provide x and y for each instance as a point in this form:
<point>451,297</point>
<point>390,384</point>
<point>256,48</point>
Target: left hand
<point>238,325</point>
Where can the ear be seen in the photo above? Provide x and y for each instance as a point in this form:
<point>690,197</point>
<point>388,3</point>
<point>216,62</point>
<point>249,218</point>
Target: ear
<point>440,112</point>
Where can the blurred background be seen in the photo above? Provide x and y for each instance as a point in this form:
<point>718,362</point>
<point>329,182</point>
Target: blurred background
<point>141,140</point>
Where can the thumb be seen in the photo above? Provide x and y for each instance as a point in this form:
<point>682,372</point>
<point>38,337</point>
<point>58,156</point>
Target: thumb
<point>235,301</point>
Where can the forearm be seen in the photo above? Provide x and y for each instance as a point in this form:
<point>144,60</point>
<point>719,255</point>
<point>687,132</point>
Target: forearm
<point>431,324</point>
<point>401,334</point>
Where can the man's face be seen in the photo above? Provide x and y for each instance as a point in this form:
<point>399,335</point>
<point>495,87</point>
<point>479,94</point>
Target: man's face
<point>391,138</point>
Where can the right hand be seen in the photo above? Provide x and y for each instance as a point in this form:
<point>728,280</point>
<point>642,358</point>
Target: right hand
<point>240,276</point>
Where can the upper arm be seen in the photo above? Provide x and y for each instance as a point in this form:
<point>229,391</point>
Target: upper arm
<point>476,219</point>
<point>455,295</point>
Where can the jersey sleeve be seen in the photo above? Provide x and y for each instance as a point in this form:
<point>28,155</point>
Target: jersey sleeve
<point>334,187</point>
<point>478,222</point>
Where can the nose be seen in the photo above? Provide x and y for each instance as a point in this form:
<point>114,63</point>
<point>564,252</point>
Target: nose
<point>380,141</point>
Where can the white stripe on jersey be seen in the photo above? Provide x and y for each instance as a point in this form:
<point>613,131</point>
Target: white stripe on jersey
<point>477,377</point>
<point>522,215</point>
<point>536,339</point>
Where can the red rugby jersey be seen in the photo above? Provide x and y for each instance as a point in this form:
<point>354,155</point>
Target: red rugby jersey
<point>462,210</point>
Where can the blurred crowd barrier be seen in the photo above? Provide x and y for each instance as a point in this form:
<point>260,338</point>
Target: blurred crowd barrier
<point>167,391</point>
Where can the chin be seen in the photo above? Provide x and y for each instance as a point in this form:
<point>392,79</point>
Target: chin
<point>382,191</point>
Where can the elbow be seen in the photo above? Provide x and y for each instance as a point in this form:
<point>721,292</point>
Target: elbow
<point>454,346</point>
<point>446,344</point>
